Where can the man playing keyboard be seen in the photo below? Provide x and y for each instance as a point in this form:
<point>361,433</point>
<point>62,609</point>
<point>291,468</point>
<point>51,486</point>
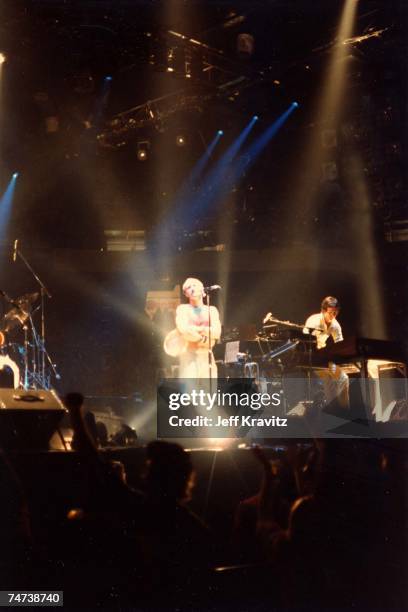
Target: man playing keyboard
<point>324,325</point>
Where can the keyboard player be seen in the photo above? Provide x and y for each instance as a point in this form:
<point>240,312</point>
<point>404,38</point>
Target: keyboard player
<point>324,326</point>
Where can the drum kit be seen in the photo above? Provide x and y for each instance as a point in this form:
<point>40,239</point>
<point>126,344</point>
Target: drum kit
<point>22,347</point>
<point>18,352</point>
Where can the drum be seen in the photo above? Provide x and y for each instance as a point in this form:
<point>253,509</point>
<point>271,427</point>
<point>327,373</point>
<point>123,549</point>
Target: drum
<point>7,365</point>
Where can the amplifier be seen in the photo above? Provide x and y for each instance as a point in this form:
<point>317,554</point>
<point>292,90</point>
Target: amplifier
<point>28,418</point>
<point>32,399</point>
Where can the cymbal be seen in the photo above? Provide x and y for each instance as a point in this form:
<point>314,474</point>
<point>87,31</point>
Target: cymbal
<point>27,298</point>
<point>18,315</point>
<point>14,318</point>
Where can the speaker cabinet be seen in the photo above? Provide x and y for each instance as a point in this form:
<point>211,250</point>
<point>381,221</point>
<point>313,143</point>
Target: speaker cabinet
<point>28,419</point>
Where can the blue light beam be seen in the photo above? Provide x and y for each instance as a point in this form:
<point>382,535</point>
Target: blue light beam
<point>256,148</point>
<point>101,102</point>
<point>202,162</point>
<point>184,195</point>
<point>214,184</point>
<point>189,184</point>
<point>227,172</point>
<point>6,205</point>
<point>191,203</point>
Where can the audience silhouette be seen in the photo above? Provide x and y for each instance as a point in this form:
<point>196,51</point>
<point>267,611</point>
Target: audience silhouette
<point>326,529</point>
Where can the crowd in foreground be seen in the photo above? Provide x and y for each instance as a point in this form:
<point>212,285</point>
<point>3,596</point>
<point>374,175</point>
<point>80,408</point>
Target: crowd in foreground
<point>325,531</point>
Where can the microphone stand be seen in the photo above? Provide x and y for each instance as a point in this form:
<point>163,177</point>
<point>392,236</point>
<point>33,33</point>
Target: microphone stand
<point>291,325</point>
<point>210,365</point>
<point>44,292</point>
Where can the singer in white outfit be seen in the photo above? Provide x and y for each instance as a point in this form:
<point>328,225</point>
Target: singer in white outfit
<point>193,323</point>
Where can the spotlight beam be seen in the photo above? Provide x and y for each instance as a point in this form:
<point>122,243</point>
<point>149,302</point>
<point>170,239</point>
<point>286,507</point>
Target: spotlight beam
<point>186,193</point>
<point>101,103</point>
<point>219,176</point>
<point>363,246</point>
<point>189,205</point>
<point>252,153</point>
<point>6,205</point>
<point>248,158</point>
<point>201,164</point>
<point>328,108</point>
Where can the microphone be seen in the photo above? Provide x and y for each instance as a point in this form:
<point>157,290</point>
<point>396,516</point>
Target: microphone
<point>267,317</point>
<point>212,288</point>
<point>15,250</point>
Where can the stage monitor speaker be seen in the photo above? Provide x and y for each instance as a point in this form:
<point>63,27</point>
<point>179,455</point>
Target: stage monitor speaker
<point>28,418</point>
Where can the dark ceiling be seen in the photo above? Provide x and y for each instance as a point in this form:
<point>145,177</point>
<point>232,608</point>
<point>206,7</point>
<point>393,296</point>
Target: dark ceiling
<point>52,43</point>
<point>59,53</point>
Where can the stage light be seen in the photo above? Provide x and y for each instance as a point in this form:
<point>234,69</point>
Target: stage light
<point>245,45</point>
<point>187,65</point>
<point>2,58</point>
<point>15,175</point>
<point>255,118</point>
<point>180,140</point>
<point>220,133</point>
<point>295,104</point>
<point>108,78</point>
<point>171,59</point>
<point>142,150</point>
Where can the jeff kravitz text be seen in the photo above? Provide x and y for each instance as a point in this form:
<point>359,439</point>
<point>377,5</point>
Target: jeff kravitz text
<point>231,421</point>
